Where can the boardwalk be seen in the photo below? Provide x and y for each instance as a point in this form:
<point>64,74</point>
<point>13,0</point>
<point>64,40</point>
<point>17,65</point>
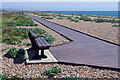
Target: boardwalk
<point>83,49</point>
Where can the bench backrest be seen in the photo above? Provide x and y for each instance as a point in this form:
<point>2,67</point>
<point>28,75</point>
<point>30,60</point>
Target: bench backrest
<point>38,42</point>
<point>32,37</point>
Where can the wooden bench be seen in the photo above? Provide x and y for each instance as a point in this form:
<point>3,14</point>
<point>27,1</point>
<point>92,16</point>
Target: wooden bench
<point>38,44</point>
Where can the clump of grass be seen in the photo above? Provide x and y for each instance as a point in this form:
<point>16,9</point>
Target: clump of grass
<point>85,18</point>
<point>47,37</point>
<point>3,76</point>
<point>41,33</point>
<point>60,18</point>
<point>18,54</point>
<point>47,17</point>
<point>17,19</point>
<point>13,35</point>
<point>74,20</point>
<point>99,20</point>
<point>27,44</point>
<point>11,53</point>
<point>52,72</point>
<point>115,25</point>
<point>2,50</point>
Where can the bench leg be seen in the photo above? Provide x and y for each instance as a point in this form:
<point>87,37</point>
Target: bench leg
<point>37,56</point>
<point>42,54</point>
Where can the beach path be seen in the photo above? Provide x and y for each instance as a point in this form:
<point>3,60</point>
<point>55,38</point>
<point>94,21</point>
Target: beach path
<point>83,49</point>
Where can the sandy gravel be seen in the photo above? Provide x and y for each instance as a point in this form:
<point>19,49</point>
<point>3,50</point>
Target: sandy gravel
<point>35,70</point>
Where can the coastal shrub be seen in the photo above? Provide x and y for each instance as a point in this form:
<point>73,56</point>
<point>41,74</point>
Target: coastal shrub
<point>16,19</point>
<point>3,76</point>
<point>47,17</point>
<point>60,18</point>
<point>74,20</point>
<point>115,21</point>
<point>115,25</point>
<point>37,30</point>
<point>11,53</point>
<point>88,19</point>
<point>69,17</point>
<point>2,50</point>
<point>27,44</point>
<point>85,18</point>
<point>43,14</point>
<point>54,16</point>
<point>13,35</point>
<point>36,24</point>
<point>47,37</point>
<point>52,72</point>
<point>98,20</point>
<point>15,77</point>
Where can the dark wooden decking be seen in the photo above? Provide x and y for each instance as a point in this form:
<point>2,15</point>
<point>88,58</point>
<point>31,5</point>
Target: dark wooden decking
<point>84,49</point>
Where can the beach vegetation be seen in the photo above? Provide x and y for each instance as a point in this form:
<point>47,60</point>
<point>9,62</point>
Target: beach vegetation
<point>16,54</point>
<point>60,18</point>
<point>85,18</point>
<point>27,44</point>
<point>11,53</point>
<point>3,76</point>
<point>47,37</point>
<point>2,50</point>
<point>13,35</point>
<point>52,72</point>
<point>46,17</point>
<point>16,19</point>
<point>74,20</point>
<point>99,20</point>
<point>115,25</point>
<point>40,33</point>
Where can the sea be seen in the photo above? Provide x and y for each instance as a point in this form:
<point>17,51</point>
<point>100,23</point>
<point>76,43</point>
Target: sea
<point>97,13</point>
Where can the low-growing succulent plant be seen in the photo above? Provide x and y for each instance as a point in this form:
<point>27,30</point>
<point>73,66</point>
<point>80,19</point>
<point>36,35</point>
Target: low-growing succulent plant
<point>11,53</point>
<point>52,72</point>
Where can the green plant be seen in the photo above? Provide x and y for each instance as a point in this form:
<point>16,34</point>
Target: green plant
<point>4,49</point>
<point>16,19</point>
<point>115,25</point>
<point>85,18</point>
<point>52,72</point>
<point>47,37</point>
<point>27,44</point>
<point>3,76</point>
<point>37,30</point>
<point>15,77</point>
<point>11,53</point>
<point>73,20</point>
<point>76,18</point>
<point>13,35</point>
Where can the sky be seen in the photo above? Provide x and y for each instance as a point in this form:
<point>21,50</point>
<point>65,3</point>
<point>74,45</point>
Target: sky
<point>60,0</point>
<point>61,6</point>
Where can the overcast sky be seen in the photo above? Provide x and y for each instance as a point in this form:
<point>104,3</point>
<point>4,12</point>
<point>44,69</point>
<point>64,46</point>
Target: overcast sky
<point>62,6</point>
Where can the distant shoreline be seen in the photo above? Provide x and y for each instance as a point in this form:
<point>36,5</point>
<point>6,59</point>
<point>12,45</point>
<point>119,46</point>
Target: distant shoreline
<point>90,13</point>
